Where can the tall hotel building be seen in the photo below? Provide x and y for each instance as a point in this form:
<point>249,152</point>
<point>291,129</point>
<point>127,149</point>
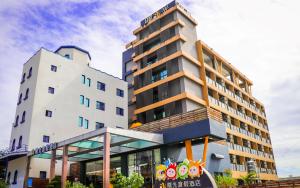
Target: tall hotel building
<point>170,72</point>
<point>60,97</point>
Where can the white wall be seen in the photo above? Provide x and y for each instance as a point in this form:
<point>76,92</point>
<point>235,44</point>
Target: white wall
<point>65,102</point>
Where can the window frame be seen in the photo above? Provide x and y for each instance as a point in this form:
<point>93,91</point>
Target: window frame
<point>101,86</point>
<point>48,113</point>
<point>120,92</point>
<point>51,90</point>
<point>101,105</point>
<point>53,68</point>
<point>120,111</point>
<point>46,139</point>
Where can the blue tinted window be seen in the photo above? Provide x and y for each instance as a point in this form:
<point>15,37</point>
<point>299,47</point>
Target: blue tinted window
<point>26,94</point>
<point>80,121</point>
<point>83,79</point>
<point>23,117</point>
<point>51,90</point>
<point>53,68</point>
<point>87,102</point>
<point>81,99</point>
<point>86,124</point>
<point>101,86</point>
<point>46,139</point>
<point>48,113</point>
<point>100,105</point>
<point>120,93</point>
<point>99,125</point>
<point>88,82</point>
<point>119,111</point>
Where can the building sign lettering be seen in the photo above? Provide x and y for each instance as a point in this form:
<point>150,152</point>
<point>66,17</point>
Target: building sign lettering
<point>158,13</point>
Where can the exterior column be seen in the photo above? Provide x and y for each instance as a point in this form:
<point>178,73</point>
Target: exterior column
<point>205,150</point>
<point>64,167</point>
<point>52,164</point>
<point>27,172</point>
<point>202,72</point>
<point>188,149</point>
<point>106,160</point>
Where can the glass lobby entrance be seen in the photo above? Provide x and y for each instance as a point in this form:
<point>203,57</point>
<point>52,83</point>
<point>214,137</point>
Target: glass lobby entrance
<point>142,162</point>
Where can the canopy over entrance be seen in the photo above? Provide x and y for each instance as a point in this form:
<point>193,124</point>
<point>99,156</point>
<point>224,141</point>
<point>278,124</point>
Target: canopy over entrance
<point>95,144</point>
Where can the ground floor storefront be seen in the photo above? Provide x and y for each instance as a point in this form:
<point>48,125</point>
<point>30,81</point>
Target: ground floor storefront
<point>95,157</point>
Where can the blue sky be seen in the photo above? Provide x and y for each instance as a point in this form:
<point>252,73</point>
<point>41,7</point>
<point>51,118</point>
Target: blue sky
<point>260,37</point>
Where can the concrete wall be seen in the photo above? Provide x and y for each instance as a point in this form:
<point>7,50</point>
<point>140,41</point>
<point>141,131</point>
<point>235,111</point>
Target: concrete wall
<point>64,103</point>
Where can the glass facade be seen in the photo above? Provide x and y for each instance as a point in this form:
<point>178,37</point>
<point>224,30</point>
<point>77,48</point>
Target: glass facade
<point>141,162</point>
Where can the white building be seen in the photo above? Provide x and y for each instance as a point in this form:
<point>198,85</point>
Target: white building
<point>60,97</point>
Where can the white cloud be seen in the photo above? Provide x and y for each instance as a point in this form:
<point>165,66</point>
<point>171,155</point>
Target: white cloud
<point>259,37</point>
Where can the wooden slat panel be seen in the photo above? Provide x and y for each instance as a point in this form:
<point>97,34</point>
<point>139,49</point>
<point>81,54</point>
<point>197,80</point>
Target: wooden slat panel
<point>181,119</point>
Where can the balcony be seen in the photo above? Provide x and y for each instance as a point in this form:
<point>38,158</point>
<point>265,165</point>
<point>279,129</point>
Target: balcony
<point>245,132</point>
<point>181,119</point>
<point>238,167</point>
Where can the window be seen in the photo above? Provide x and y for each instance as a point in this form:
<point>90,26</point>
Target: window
<point>120,92</point>
<point>83,79</point>
<point>8,178</point>
<point>26,94</point>
<point>20,142</point>
<point>88,82</point>
<point>43,175</point>
<point>67,56</point>
<point>87,102</point>
<point>86,124</point>
<point>81,98</point>
<point>51,90</point>
<point>159,75</point>
<point>23,78</point>
<point>13,145</point>
<point>17,121</point>
<point>119,111</point>
<point>46,139</point>
<point>30,72</point>
<point>20,99</point>
<point>159,113</point>
<point>53,68</point>
<point>23,117</point>
<point>99,125</point>
<point>48,113</point>
<point>100,105</point>
<point>15,177</point>
<point>80,121</point>
<point>101,86</point>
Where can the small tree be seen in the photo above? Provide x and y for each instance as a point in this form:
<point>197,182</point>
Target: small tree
<point>249,178</point>
<point>226,180</point>
<point>55,183</point>
<point>136,180</point>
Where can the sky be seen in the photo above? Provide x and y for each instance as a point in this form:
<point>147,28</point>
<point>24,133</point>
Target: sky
<point>259,37</point>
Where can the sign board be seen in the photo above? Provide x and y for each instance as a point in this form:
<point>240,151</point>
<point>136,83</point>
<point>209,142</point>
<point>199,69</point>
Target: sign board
<point>185,174</point>
<point>157,13</point>
<point>45,148</point>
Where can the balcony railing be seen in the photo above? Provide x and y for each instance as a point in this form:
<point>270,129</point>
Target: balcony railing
<point>181,119</point>
<point>245,132</point>
<point>249,150</point>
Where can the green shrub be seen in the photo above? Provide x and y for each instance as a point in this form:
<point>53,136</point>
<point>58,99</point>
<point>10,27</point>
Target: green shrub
<point>225,180</point>
<point>3,184</point>
<point>55,183</point>
<point>135,180</point>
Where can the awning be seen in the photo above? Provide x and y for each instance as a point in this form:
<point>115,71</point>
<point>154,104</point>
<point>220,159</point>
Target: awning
<point>90,145</point>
